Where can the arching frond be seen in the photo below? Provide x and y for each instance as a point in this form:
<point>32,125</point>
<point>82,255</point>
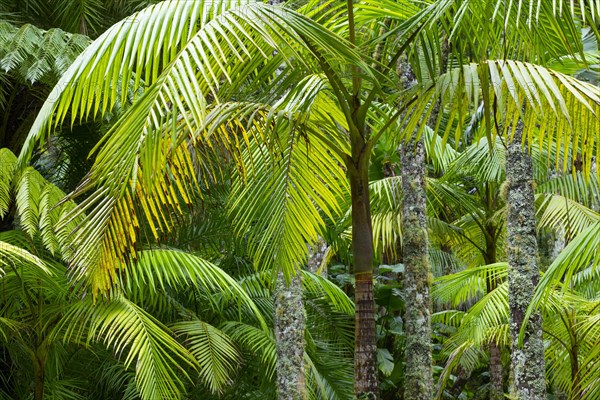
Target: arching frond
<point>561,213</point>
<point>8,163</point>
<point>318,286</point>
<point>162,269</point>
<point>581,253</point>
<point>575,187</point>
<point>143,342</point>
<point>14,257</point>
<point>145,158</point>
<point>469,284</point>
<point>256,341</point>
<point>559,108</point>
<point>280,204</point>
<point>215,353</point>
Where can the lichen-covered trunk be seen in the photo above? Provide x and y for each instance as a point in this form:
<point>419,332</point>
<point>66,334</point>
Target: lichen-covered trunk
<point>289,339</point>
<point>365,348</point>
<point>523,274</point>
<point>418,380</point>
<point>496,378</point>
<point>316,256</point>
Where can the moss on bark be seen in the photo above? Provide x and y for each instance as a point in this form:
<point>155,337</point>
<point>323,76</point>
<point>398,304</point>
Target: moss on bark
<point>289,336</point>
<point>418,380</point>
<point>523,273</point>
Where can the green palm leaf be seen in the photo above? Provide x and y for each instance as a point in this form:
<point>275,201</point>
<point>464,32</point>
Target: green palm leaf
<point>214,351</point>
<point>143,342</point>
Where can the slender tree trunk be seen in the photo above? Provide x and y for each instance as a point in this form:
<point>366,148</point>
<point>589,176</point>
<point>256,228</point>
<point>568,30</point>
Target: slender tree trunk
<point>418,374</point>
<point>289,339</point>
<point>496,381</point>
<point>495,367</point>
<point>418,379</point>
<point>39,379</point>
<point>523,273</point>
<point>365,348</point>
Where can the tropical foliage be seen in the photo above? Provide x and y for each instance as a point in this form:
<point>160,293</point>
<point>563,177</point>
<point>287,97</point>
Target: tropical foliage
<point>175,156</point>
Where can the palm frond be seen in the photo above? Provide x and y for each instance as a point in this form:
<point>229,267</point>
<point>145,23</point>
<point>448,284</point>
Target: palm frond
<point>563,214</point>
<point>581,253</point>
<point>163,269</point>
<point>469,284</point>
<point>143,342</point>
<point>559,109</point>
<point>8,163</point>
<point>215,352</point>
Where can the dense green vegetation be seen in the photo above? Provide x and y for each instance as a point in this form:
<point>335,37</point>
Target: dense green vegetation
<point>238,199</point>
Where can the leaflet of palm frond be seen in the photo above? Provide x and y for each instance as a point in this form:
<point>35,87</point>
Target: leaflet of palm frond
<point>112,219</point>
<point>319,287</point>
<point>586,282</point>
<point>581,253</point>
<point>284,197</point>
<point>136,337</point>
<point>577,187</point>
<point>439,155</point>
<point>16,257</point>
<point>560,110</point>
<point>589,367</point>
<point>490,311</point>
<point>466,353</point>
<point>158,270</point>
<point>540,30</point>
<point>442,261</point>
<point>193,63</point>
<point>482,160</point>
<point>449,319</point>
<point>8,163</point>
<point>563,214</point>
<point>469,284</point>
<point>451,198</point>
<point>40,206</point>
<point>329,378</point>
<point>216,354</point>
<point>257,341</point>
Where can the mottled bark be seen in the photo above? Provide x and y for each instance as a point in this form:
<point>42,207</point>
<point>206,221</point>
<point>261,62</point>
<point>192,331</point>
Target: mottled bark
<point>523,274</point>
<point>289,337</point>
<point>316,255</point>
<point>418,380</point>
<point>496,381</point>
<point>365,348</point>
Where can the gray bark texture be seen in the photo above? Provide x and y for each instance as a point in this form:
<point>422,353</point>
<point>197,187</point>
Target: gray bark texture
<point>523,273</point>
<point>418,379</point>
<point>289,339</point>
<point>316,255</point>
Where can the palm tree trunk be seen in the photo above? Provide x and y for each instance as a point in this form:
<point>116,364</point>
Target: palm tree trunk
<point>496,379</point>
<point>365,348</point>
<point>495,367</point>
<point>418,379</point>
<point>523,273</point>
<point>289,339</point>
<point>316,255</point>
<point>39,379</point>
